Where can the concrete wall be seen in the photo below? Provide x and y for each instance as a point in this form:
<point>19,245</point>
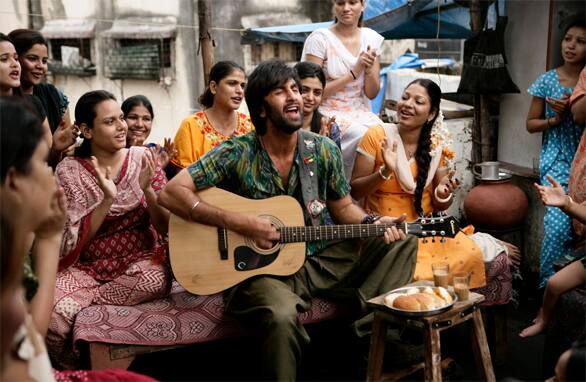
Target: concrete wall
<point>171,103</point>
<point>526,49</point>
<point>13,15</point>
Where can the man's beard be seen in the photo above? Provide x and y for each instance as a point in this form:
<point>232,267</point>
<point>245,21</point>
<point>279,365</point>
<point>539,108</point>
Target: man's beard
<point>282,123</point>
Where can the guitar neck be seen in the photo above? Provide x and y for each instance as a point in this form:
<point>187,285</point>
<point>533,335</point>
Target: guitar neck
<point>333,232</point>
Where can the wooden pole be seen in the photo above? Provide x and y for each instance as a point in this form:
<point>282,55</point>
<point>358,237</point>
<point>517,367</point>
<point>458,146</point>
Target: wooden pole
<point>206,42</point>
<point>483,145</point>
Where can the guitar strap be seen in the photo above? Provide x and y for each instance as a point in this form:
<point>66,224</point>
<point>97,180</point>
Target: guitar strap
<point>308,175</point>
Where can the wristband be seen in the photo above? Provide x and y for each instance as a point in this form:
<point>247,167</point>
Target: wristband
<point>380,172</point>
<point>548,124</point>
<point>445,200</point>
<point>370,218</point>
<point>352,73</point>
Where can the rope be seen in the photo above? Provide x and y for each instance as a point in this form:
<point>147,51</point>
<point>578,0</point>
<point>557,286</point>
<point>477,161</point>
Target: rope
<point>129,22</point>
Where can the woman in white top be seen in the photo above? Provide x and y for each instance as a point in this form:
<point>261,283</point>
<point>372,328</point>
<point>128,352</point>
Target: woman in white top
<point>348,53</point>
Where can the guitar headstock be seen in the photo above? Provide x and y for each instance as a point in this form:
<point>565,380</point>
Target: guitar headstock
<point>437,226</point>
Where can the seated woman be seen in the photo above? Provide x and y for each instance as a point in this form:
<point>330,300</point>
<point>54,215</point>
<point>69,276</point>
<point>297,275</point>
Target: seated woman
<point>32,205</point>
<point>219,120</point>
<point>403,169</point>
<point>112,252</point>
<point>313,82</point>
<point>139,116</point>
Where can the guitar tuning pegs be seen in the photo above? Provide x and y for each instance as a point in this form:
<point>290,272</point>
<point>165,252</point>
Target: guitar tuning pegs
<point>424,240</point>
<point>433,239</point>
<point>442,240</point>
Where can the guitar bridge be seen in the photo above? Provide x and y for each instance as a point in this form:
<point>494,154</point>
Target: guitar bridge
<point>223,243</point>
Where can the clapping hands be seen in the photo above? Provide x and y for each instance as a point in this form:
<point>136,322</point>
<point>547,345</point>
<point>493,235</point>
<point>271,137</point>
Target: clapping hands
<point>447,185</point>
<point>552,196</point>
<point>389,153</point>
<point>559,106</point>
<point>105,181</point>
<point>52,226</point>
<point>365,61</point>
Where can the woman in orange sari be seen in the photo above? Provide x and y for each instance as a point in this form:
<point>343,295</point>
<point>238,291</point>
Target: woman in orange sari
<point>404,169</point>
<point>220,119</point>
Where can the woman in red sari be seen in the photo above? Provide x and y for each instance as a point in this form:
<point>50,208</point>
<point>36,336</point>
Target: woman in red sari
<point>112,250</point>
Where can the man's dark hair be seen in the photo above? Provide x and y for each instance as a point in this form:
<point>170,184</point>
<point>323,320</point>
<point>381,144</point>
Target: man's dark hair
<point>266,77</point>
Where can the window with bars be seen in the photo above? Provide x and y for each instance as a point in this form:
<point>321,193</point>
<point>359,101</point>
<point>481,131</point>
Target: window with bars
<point>148,59</point>
<point>71,56</point>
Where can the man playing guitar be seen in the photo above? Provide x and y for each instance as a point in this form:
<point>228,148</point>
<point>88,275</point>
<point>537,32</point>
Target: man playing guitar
<point>274,160</point>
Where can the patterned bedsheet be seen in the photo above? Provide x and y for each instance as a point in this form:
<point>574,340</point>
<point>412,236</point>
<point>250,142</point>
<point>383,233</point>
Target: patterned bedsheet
<point>184,318</point>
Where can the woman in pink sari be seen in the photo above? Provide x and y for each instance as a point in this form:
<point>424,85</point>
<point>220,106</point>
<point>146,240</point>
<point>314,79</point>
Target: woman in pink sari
<point>112,250</point>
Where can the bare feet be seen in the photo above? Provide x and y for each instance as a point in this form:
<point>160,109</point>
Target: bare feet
<point>534,329</point>
<point>537,327</point>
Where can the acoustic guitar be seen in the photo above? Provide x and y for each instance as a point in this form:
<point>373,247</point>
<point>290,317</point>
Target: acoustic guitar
<point>207,259</point>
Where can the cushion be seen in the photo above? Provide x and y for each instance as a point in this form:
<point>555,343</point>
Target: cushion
<point>180,318</point>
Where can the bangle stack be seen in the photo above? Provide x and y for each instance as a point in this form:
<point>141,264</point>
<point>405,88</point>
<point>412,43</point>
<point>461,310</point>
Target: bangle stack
<point>380,172</point>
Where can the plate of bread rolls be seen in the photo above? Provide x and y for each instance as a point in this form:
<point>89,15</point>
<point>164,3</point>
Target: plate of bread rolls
<point>419,301</point>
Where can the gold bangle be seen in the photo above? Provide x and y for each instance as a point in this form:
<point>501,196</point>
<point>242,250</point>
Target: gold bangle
<point>445,200</point>
<point>380,172</point>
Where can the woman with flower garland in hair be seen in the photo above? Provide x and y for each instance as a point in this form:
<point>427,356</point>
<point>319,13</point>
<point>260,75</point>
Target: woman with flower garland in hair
<point>405,169</point>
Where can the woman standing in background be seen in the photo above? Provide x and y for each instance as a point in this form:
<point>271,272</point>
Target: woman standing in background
<point>549,114</point>
<point>348,53</point>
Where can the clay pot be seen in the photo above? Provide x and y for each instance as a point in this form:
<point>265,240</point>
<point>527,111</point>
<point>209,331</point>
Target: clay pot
<point>496,205</point>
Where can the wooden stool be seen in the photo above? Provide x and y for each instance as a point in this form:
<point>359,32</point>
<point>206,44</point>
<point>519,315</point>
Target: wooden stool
<point>431,327</point>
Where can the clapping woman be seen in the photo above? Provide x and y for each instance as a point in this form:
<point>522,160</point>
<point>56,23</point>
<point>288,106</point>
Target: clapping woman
<point>112,251</point>
<point>549,114</point>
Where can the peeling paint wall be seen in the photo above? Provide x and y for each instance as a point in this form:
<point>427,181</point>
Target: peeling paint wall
<point>171,103</point>
<point>13,15</point>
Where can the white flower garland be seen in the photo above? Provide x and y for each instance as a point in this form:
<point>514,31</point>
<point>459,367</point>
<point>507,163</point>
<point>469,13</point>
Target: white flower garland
<point>441,140</point>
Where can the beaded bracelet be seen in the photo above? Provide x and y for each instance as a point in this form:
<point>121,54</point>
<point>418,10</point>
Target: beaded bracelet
<point>370,218</point>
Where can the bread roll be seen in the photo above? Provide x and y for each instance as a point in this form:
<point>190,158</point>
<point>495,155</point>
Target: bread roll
<point>407,302</point>
<point>442,293</point>
<point>426,302</point>
<point>390,298</point>
<point>425,299</point>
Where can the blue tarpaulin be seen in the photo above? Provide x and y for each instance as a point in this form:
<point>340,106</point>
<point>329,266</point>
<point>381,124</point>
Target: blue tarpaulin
<point>394,19</point>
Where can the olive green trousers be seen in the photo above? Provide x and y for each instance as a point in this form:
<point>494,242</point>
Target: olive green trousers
<point>349,271</point>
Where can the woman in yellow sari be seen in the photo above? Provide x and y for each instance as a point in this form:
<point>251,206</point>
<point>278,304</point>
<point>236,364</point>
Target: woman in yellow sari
<point>220,119</point>
<point>404,169</point>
